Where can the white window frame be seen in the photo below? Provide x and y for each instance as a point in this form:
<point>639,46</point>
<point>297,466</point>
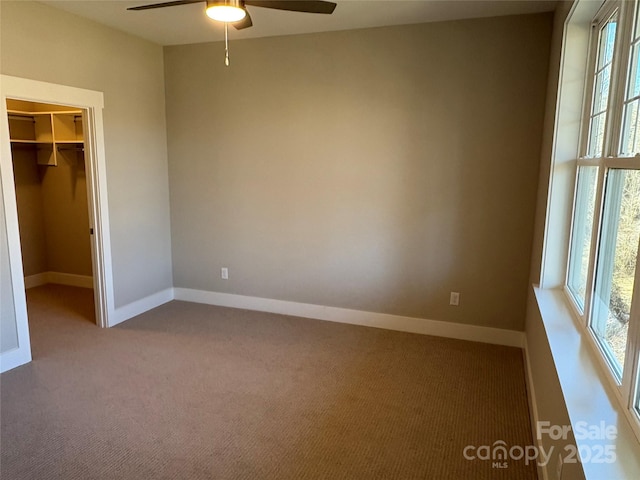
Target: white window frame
<point>625,385</point>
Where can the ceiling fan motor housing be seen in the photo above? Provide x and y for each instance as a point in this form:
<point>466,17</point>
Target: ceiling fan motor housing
<point>225,3</point>
<point>226,10</point>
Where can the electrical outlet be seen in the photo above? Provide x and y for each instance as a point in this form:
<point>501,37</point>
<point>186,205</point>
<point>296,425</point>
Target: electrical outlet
<point>454,299</point>
<point>224,273</point>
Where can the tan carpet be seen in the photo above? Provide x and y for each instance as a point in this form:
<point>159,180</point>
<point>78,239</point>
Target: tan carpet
<point>192,391</point>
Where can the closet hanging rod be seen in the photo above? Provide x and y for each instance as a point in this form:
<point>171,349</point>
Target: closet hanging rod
<point>24,118</point>
<point>79,148</point>
<point>30,146</point>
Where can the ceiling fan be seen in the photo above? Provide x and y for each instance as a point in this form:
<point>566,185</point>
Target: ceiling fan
<point>235,11</point>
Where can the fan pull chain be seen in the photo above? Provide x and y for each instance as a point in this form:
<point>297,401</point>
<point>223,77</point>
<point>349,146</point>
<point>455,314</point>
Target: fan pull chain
<point>226,44</point>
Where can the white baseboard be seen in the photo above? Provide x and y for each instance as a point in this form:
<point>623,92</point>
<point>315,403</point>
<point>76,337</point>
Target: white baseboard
<point>84,281</point>
<point>138,307</point>
<point>70,279</point>
<point>35,280</point>
<point>437,328</point>
<point>460,331</point>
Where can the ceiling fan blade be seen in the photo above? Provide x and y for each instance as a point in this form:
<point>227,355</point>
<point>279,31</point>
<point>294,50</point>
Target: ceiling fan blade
<point>244,23</point>
<point>307,6</point>
<point>165,4</point>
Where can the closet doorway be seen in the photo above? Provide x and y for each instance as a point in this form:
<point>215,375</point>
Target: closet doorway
<point>49,172</point>
<point>90,103</point>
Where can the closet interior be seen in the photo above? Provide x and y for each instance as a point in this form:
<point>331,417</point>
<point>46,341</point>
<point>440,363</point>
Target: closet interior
<point>47,147</point>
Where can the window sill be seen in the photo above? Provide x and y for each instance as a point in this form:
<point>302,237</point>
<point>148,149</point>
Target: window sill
<point>587,392</point>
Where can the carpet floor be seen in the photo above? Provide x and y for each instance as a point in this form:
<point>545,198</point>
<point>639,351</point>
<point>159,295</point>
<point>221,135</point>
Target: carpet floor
<point>190,391</point>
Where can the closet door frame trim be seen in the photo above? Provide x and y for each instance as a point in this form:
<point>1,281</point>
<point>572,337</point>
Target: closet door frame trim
<point>92,102</point>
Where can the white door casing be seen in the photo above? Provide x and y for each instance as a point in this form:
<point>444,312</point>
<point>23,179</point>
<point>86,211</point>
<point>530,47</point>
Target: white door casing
<point>92,103</point>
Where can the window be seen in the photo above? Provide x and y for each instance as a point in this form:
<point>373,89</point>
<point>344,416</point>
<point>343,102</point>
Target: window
<point>603,276</point>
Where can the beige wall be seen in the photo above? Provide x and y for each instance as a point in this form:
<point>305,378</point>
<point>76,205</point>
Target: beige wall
<point>42,43</point>
<point>66,216</point>
<point>374,169</point>
<point>53,214</point>
<point>30,211</point>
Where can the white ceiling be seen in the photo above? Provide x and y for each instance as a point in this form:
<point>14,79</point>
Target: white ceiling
<point>188,24</point>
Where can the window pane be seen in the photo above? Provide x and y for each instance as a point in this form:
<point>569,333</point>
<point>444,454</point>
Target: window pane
<point>601,93</point>
<point>630,141</point>
<point>630,144</point>
<point>601,84</point>
<point>636,403</point>
<point>596,136</point>
<point>637,397</point>
<point>607,40</point>
<point>634,70</point>
<point>619,237</point>
<point>630,138</point>
<point>636,28</point>
<point>581,233</point>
